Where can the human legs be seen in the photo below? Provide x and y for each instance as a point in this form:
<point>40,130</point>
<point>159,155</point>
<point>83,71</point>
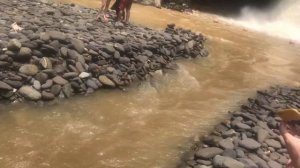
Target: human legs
<point>128,8</point>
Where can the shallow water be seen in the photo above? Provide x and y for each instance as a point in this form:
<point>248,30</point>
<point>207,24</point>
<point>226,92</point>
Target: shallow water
<point>150,125</point>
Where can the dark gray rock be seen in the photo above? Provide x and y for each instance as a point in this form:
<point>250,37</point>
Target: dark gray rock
<point>273,143</point>
<point>42,77</point>
<point>92,84</point>
<point>24,53</point>
<point>243,126</point>
<point>56,35</point>
<point>47,84</point>
<point>208,153</point>
<point>226,162</point>
<point>258,161</point>
<point>14,45</point>
<point>47,96</point>
<point>248,163</point>
<point>55,89</point>
<point>13,83</point>
<point>250,144</point>
<point>212,140</point>
<point>274,164</point>
<point>78,45</point>
<point>229,153</point>
<point>59,80</point>
<point>229,133</point>
<point>262,134</point>
<point>5,86</point>
<point>124,60</point>
<point>67,90</point>
<point>226,144</point>
<point>70,75</point>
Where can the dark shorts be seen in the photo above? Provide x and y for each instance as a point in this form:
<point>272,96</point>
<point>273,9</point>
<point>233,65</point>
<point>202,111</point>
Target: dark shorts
<point>125,4</point>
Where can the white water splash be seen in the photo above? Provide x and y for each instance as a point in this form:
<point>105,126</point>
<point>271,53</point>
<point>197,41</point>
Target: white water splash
<point>281,21</point>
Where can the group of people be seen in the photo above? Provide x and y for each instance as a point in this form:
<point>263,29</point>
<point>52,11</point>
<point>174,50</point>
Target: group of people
<point>122,8</point>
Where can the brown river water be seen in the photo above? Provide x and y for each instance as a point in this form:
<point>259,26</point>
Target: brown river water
<point>153,124</point>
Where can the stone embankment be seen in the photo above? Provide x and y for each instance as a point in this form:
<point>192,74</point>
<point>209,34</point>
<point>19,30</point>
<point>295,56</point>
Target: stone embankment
<point>50,51</point>
<point>250,138</point>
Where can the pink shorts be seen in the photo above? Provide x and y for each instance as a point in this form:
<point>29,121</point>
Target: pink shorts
<point>125,4</point>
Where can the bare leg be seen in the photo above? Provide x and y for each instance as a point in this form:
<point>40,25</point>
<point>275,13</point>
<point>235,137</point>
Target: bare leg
<point>103,3</point>
<point>127,15</point>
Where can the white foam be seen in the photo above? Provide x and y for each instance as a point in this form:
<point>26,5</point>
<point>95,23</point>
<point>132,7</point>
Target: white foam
<point>282,21</point>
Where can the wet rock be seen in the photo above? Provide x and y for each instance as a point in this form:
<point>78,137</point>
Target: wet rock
<point>70,75</point>
<point>67,90</point>
<point>124,60</point>
<point>45,36</point>
<point>13,83</point>
<point>14,45</point>
<point>46,63</point>
<point>250,144</point>
<point>229,153</point>
<point>226,144</point>
<point>30,93</point>
<point>248,163</point>
<point>212,140</point>
<point>106,81</point>
<point>37,85</point>
<point>55,89</point>
<point>226,162</point>
<point>258,161</point>
<point>78,45</point>
<point>274,164</point>
<point>29,69</point>
<point>273,143</point>
<point>262,134</point>
<point>24,53</point>
<point>41,77</point>
<point>5,86</point>
<point>64,52</point>
<point>208,153</point>
<point>92,84</point>
<point>243,126</point>
<point>84,75</point>
<point>56,35</point>
<point>59,80</point>
<point>47,96</point>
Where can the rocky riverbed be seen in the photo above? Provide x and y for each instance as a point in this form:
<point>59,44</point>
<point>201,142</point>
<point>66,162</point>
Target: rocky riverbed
<point>50,51</point>
<point>250,138</point>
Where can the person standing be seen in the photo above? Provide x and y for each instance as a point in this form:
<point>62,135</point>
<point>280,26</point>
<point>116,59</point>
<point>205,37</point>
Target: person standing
<point>125,5</point>
<point>103,10</point>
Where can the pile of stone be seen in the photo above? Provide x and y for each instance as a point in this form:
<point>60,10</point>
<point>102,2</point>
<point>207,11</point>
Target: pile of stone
<point>251,138</point>
<point>50,50</point>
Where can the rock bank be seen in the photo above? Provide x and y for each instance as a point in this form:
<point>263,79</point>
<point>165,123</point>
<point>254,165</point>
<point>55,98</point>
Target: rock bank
<point>250,138</point>
<point>50,51</point>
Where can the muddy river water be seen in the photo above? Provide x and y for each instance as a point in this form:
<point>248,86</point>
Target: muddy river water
<point>152,124</point>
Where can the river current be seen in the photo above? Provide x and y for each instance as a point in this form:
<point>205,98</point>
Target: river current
<point>151,125</point>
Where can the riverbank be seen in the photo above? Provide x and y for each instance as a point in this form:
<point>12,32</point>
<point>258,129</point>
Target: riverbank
<point>57,51</point>
<point>250,137</point>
